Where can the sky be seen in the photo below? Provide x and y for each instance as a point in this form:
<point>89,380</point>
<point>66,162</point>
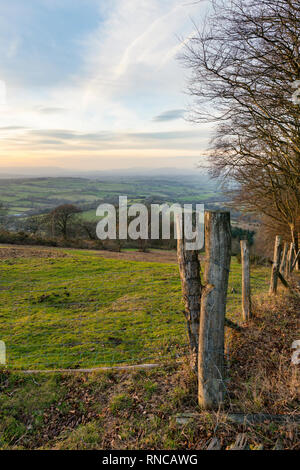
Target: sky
<point>97,84</point>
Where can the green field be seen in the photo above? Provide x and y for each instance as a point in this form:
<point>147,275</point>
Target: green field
<point>36,195</point>
<point>84,311</point>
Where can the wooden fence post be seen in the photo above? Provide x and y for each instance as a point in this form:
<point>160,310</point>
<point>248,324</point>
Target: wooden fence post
<point>296,261</point>
<point>211,388</point>
<point>189,268</point>
<point>276,265</point>
<point>284,258</point>
<point>290,261</point>
<point>246,290</point>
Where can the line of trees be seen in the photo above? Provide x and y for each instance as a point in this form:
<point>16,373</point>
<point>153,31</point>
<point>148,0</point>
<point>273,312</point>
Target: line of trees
<point>245,65</point>
<point>65,226</point>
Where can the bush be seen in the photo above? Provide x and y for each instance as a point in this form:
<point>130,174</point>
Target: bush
<point>241,234</point>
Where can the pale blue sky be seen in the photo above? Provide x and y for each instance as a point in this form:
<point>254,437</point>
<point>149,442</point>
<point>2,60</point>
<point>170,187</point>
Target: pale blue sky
<point>96,84</point>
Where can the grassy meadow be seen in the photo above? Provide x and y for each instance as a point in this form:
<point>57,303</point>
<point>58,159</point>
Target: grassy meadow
<point>77,309</point>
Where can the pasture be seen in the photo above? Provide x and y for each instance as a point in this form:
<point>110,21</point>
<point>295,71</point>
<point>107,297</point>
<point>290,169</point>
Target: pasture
<point>74,309</point>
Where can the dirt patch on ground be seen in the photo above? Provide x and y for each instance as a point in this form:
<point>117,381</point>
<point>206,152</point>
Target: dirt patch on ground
<point>8,252</point>
<point>19,251</point>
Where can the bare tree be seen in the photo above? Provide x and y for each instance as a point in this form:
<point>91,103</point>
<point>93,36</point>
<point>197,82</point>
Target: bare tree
<point>34,224</point>
<point>244,65</point>
<point>89,228</point>
<point>267,193</point>
<point>61,217</point>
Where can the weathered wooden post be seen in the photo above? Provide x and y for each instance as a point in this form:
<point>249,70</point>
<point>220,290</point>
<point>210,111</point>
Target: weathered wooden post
<point>189,268</point>
<point>276,265</point>
<point>284,258</point>
<point>296,261</point>
<point>290,260</point>
<point>246,290</point>
<point>211,388</point>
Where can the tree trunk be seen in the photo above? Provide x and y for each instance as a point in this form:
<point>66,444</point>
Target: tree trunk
<point>211,388</point>
<point>295,240</point>
<point>276,265</point>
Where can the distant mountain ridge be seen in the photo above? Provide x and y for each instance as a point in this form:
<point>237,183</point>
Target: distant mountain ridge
<point>54,172</point>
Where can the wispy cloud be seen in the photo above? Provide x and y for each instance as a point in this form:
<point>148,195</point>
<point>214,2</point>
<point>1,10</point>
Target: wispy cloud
<point>96,76</point>
<point>49,110</point>
<point>170,115</point>
<point>112,140</point>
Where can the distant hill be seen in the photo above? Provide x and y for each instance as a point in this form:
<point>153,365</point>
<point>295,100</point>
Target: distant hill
<point>54,172</point>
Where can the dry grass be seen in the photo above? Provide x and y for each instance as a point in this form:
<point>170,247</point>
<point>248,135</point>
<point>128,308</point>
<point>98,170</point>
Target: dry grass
<point>262,377</point>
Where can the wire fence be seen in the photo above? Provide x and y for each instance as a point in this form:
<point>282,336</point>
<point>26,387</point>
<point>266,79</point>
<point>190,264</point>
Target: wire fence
<point>107,318</point>
<point>259,278</point>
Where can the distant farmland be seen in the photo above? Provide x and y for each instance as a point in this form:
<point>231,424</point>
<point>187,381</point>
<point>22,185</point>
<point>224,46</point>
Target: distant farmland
<point>24,197</point>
